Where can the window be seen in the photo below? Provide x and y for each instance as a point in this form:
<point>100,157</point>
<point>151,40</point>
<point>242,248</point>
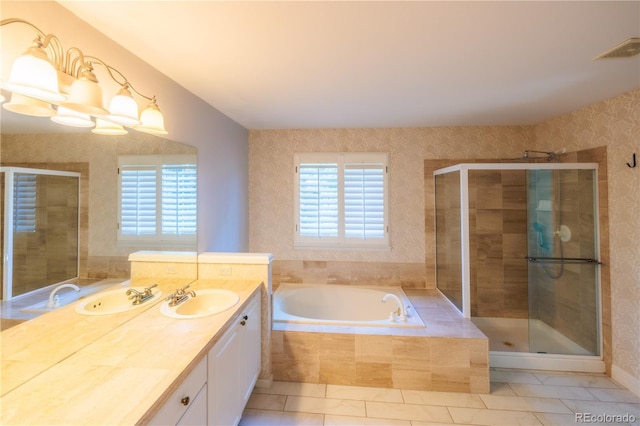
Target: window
<point>157,200</point>
<point>341,200</point>
<point>24,202</point>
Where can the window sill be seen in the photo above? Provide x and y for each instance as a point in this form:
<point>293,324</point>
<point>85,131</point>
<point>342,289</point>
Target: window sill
<point>141,243</point>
<point>342,248</point>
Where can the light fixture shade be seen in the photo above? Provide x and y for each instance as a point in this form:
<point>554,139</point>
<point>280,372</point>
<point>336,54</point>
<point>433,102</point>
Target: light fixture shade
<point>152,120</point>
<point>29,106</point>
<point>33,75</point>
<point>123,109</point>
<point>72,118</point>
<point>85,95</point>
<point>104,127</point>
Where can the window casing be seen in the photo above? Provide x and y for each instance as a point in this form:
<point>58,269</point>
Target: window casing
<point>157,200</point>
<point>341,200</point>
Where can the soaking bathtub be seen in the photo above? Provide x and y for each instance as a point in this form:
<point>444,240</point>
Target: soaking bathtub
<point>341,305</point>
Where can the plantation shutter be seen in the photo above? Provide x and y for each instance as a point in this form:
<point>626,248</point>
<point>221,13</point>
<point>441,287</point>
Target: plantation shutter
<point>179,198</point>
<point>138,199</point>
<point>24,203</point>
<point>364,201</point>
<point>318,198</point>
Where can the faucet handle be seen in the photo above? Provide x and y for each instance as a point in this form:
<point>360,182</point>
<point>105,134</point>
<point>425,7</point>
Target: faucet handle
<point>147,290</point>
<point>176,292</point>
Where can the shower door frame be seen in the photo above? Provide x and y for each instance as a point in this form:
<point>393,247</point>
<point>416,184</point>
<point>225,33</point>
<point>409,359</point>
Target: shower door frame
<point>7,258</point>
<point>559,362</point>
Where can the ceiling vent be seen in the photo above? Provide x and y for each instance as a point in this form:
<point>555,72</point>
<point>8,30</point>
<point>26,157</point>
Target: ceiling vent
<point>626,49</point>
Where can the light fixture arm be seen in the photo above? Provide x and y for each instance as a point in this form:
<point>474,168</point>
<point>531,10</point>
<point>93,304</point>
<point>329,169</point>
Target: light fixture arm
<point>75,66</point>
<point>43,40</point>
<point>111,70</point>
<point>63,62</point>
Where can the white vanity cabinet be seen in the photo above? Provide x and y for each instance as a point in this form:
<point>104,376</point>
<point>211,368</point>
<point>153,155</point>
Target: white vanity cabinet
<point>234,366</point>
<point>188,404</point>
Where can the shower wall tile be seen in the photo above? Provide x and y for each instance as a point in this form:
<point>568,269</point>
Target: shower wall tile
<point>497,235</point>
<point>489,221</point>
<point>514,221</point>
<point>514,246</point>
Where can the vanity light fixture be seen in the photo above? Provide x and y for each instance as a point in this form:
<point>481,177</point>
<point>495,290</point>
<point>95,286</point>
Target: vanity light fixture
<point>123,108</point>
<point>29,106</point>
<point>46,74</point>
<point>104,127</point>
<point>73,118</point>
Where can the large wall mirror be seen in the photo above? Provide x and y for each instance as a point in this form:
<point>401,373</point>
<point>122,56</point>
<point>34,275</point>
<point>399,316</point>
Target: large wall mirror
<point>34,142</point>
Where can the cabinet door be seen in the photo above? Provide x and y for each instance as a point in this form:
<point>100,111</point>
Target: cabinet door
<point>234,366</point>
<point>177,404</point>
<point>224,404</point>
<point>196,414</point>
<point>251,347</point>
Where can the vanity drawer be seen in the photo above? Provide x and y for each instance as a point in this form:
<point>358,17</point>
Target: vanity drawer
<point>184,397</point>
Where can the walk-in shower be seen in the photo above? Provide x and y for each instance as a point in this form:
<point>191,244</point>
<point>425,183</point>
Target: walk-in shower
<point>40,228</point>
<point>517,253</point>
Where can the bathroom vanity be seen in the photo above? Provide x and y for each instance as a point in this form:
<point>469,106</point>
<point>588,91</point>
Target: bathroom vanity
<point>135,367</point>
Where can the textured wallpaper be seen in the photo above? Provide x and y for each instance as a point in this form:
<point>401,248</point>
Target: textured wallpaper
<point>271,180</point>
<point>614,123</point>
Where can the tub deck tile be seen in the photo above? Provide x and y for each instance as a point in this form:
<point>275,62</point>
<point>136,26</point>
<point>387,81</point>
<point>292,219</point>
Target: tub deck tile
<point>450,354</point>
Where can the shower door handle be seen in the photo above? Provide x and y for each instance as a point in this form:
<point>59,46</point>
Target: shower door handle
<point>562,260</point>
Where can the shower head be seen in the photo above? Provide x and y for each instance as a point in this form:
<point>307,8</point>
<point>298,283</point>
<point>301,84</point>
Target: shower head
<point>553,156</point>
<point>539,228</point>
<point>550,155</point>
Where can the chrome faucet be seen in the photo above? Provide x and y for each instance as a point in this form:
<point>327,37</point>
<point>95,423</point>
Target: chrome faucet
<point>180,295</point>
<point>139,297</point>
<point>401,311</point>
<point>54,300</point>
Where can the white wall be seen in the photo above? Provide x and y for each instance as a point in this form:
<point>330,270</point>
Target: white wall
<point>222,143</point>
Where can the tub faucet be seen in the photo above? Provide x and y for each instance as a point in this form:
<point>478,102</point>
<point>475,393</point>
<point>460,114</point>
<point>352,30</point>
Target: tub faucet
<point>401,311</point>
<point>54,300</point>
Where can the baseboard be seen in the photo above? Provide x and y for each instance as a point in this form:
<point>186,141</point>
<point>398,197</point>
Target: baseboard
<point>264,383</point>
<point>625,379</point>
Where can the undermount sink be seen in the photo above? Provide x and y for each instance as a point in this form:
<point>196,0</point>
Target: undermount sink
<point>112,302</point>
<point>206,302</point>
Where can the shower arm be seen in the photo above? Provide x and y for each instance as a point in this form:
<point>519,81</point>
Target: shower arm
<point>551,155</point>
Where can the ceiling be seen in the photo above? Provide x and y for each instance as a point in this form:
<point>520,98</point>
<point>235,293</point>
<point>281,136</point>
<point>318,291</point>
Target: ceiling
<point>333,64</point>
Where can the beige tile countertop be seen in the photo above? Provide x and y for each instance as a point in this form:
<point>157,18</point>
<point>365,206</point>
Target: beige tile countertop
<point>68,368</point>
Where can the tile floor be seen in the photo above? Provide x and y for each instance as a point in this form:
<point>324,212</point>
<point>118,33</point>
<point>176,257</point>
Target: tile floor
<point>517,398</point>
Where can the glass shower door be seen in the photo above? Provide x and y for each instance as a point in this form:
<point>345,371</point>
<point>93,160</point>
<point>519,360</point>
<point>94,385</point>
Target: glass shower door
<point>448,239</point>
<point>41,232</point>
<point>564,304</point>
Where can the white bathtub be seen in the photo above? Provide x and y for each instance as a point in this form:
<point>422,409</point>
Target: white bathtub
<point>340,305</point>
